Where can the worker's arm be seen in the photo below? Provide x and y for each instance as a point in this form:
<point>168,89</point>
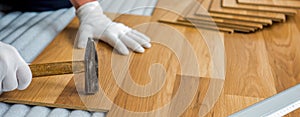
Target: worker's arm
<point>14,72</point>
<point>93,23</point>
<point>78,3</point>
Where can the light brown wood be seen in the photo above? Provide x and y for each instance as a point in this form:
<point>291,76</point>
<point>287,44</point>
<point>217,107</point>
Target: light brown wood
<point>234,27</point>
<point>224,21</point>
<point>275,3</point>
<point>216,7</point>
<point>250,49</point>
<point>232,103</point>
<point>233,4</point>
<point>258,66</point>
<point>206,22</point>
<point>287,54</point>
<point>189,15</point>
<point>171,19</point>
<point>189,11</point>
<point>205,5</point>
<point>60,68</point>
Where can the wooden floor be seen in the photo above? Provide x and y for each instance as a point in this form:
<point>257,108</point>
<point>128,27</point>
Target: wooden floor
<point>258,65</point>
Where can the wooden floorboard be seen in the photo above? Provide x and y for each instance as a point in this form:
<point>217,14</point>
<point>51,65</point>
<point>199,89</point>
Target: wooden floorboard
<point>274,3</point>
<point>233,4</point>
<point>205,6</point>
<point>216,6</point>
<point>254,79</point>
<point>283,54</point>
<point>171,18</point>
<point>190,14</point>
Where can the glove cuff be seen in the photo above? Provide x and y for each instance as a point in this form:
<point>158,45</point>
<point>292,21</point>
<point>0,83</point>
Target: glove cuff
<point>89,9</point>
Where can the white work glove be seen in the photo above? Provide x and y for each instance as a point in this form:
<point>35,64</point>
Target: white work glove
<point>93,23</point>
<point>14,71</point>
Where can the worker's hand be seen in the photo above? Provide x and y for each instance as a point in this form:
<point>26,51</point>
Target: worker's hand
<point>93,23</point>
<point>14,72</point>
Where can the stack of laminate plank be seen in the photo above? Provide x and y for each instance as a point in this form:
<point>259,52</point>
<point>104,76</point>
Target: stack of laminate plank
<point>231,15</point>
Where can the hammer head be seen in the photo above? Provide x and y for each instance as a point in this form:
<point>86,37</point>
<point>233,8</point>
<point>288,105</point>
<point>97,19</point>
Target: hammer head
<point>91,68</point>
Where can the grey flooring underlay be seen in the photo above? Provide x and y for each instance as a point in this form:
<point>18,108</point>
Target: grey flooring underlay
<point>20,110</point>
<point>31,32</point>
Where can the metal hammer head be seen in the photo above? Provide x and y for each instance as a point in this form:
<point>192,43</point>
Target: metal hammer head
<point>91,68</point>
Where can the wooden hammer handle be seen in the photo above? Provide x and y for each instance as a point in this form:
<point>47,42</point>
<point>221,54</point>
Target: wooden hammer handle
<point>60,68</point>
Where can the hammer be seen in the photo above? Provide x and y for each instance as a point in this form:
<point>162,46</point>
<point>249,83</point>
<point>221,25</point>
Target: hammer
<point>89,67</point>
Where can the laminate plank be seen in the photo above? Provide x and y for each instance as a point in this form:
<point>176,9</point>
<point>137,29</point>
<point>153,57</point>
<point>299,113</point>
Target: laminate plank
<point>229,104</point>
<point>297,22</point>
<point>43,91</point>
<point>234,27</point>
<point>205,6</point>
<point>294,113</point>
<point>222,21</point>
<point>246,27</point>
<point>189,14</point>
<point>216,7</point>
<point>130,104</point>
<point>166,109</point>
<point>283,54</point>
<point>234,5</point>
<point>185,55</point>
<point>255,79</point>
<point>142,78</point>
<point>275,3</point>
<point>171,19</point>
<point>189,11</point>
<point>127,98</point>
<point>197,104</point>
<point>69,96</point>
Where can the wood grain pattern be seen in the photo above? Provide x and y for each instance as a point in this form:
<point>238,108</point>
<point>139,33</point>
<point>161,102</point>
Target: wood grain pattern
<point>205,5</point>
<point>61,68</point>
<point>275,3</point>
<point>208,23</point>
<point>250,49</point>
<point>234,27</point>
<point>216,6</point>
<point>42,91</point>
<point>259,65</point>
<point>254,26</point>
<point>190,15</point>
<point>229,104</point>
<point>171,19</point>
<point>285,59</point>
<point>233,4</point>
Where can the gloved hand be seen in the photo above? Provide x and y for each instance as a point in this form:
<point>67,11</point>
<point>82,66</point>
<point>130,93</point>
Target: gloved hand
<point>93,23</point>
<point>14,72</point>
